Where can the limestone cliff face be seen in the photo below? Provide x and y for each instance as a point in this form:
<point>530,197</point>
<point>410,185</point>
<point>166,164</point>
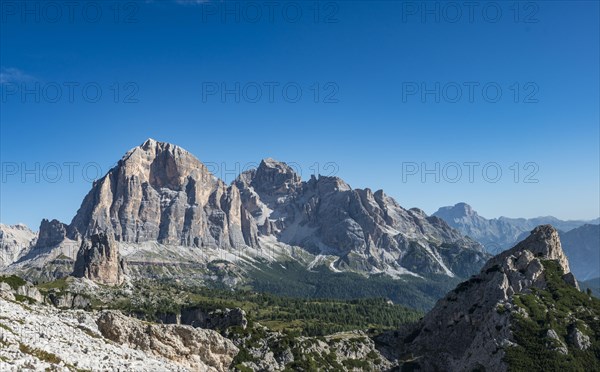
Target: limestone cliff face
<point>368,230</point>
<point>195,348</point>
<point>160,192</point>
<point>51,234</point>
<point>99,260</point>
<point>15,241</point>
<point>473,319</point>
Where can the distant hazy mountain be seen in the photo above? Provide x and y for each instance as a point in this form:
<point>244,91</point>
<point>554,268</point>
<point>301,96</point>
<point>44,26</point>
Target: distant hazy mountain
<point>593,285</point>
<point>582,246</point>
<point>501,233</point>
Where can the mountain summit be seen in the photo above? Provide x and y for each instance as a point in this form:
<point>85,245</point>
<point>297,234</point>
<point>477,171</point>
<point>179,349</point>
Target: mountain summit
<point>160,192</point>
<point>459,210</point>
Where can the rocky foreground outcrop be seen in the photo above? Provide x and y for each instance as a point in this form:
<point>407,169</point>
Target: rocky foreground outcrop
<point>186,345</point>
<point>36,337</point>
<point>12,287</point>
<point>472,327</point>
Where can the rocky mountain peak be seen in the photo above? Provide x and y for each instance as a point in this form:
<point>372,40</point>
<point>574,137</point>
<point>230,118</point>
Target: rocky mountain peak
<point>160,192</point>
<point>274,177</point>
<point>465,208</point>
<point>51,233</point>
<point>164,164</point>
<point>459,210</point>
<point>21,226</point>
<point>418,212</point>
<point>153,146</point>
<point>150,142</point>
<point>367,230</point>
<point>15,240</point>
<point>328,184</point>
<point>542,244</point>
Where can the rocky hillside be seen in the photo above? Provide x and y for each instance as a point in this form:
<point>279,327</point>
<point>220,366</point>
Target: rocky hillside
<point>523,311</point>
<point>169,216</point>
<point>174,328</point>
<point>34,336</point>
<point>501,233</point>
<point>364,230</point>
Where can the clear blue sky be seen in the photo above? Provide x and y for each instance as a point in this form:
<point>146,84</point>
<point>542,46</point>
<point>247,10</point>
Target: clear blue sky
<point>367,58</point>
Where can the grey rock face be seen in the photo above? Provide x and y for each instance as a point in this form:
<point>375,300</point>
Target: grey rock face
<point>197,349</point>
<point>217,320</point>
<point>98,259</point>
<point>51,233</point>
<point>15,241</point>
<point>160,192</point>
<point>368,230</point>
<point>30,291</point>
<point>475,315</point>
<point>68,300</point>
<point>8,292</point>
<point>554,342</point>
<point>578,339</point>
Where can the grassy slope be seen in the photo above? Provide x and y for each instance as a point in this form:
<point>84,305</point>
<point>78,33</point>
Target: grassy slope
<point>307,317</point>
<point>557,308</point>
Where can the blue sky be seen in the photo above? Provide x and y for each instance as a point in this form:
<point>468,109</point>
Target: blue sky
<point>405,94</point>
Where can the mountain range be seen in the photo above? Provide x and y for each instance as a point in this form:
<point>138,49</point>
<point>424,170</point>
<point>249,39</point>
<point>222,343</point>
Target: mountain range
<point>580,239</point>
<point>163,214</point>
